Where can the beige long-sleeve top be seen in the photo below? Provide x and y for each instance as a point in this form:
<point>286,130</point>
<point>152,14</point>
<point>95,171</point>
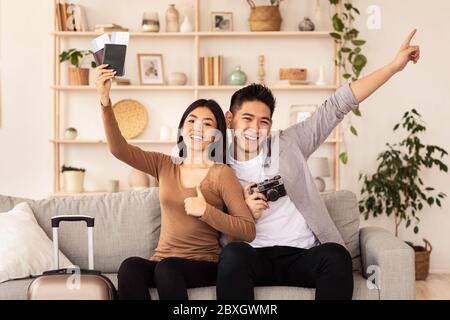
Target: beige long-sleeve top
<point>182,235</point>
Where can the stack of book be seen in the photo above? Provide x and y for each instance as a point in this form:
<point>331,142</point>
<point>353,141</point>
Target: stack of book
<point>111,27</point>
<point>211,71</point>
<point>70,17</point>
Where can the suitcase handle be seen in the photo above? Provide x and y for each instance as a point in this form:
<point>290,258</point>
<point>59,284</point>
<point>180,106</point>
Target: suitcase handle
<point>71,218</point>
<point>57,219</point>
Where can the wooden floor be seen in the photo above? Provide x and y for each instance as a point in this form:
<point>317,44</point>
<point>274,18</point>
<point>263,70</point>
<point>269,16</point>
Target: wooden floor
<point>436,287</point>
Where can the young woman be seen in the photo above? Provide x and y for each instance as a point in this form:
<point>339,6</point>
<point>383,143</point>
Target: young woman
<point>194,192</point>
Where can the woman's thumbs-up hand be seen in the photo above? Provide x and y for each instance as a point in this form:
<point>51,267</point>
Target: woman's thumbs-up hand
<point>195,206</point>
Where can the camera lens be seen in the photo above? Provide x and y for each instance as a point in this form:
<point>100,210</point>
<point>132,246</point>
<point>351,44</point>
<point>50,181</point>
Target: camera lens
<point>272,195</point>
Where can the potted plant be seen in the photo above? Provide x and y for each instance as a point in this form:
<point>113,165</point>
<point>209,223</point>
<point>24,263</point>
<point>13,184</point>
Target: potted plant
<point>397,187</point>
<point>73,179</point>
<point>77,75</point>
<point>265,18</point>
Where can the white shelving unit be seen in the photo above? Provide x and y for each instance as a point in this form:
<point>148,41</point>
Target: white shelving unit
<point>196,37</point>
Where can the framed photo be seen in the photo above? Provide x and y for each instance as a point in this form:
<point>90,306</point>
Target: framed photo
<point>222,21</point>
<point>151,70</point>
<point>301,112</point>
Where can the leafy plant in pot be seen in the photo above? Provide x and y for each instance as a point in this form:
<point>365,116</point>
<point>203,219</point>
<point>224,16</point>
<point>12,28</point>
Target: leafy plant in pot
<point>397,188</point>
<point>73,179</point>
<point>77,75</point>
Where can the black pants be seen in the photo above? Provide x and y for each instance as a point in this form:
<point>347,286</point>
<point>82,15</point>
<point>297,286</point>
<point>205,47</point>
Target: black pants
<point>327,267</point>
<point>171,276</point>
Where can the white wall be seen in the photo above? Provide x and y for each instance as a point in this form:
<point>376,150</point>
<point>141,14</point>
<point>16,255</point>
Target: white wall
<point>26,51</point>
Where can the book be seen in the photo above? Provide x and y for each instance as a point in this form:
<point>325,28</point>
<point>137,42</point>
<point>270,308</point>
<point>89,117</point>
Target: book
<point>206,71</point>
<point>63,15</point>
<point>201,77</point>
<point>216,70</point>
<point>220,70</point>
<point>58,18</point>
<point>103,30</point>
<point>211,71</point>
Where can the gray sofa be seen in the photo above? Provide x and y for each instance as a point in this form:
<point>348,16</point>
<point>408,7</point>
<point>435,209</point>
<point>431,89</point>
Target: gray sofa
<point>128,224</point>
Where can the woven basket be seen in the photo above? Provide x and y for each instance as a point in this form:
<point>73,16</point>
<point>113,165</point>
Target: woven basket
<point>423,260</point>
<point>131,117</point>
<point>264,18</point>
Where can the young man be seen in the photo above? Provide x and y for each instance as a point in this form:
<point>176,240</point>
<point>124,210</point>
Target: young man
<point>297,243</point>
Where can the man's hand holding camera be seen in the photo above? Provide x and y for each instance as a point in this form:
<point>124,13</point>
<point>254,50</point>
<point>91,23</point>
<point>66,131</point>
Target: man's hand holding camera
<point>256,201</point>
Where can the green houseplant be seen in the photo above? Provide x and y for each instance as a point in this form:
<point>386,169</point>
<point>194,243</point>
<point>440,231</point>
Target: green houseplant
<point>350,58</point>
<point>397,188</point>
<point>73,179</point>
<point>77,74</point>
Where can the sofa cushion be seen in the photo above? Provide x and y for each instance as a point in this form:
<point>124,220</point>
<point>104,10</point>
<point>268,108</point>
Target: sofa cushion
<point>25,249</point>
<point>126,224</point>
<point>17,290</point>
<point>343,209</point>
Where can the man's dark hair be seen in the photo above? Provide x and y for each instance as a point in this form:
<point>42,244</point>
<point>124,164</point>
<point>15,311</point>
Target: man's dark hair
<point>253,92</point>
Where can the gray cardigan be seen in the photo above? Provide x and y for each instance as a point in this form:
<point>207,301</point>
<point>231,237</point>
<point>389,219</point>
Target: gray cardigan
<point>294,146</point>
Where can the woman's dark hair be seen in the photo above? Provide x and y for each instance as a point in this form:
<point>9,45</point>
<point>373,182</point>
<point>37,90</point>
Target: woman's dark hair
<point>217,150</point>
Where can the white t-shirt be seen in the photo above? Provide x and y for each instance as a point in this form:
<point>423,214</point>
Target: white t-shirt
<point>281,224</point>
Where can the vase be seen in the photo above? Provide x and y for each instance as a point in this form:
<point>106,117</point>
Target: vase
<point>186,26</point>
<point>306,25</point>
<point>150,22</point>
<point>70,134</point>
<point>172,19</point>
<point>237,77</point>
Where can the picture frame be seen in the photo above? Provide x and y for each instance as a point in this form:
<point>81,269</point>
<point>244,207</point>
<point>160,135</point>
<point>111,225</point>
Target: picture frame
<point>151,69</point>
<point>221,21</point>
<point>301,112</point>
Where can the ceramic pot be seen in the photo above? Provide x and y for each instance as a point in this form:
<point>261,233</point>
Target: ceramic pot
<point>150,22</point>
<point>186,26</point>
<point>78,76</point>
<point>177,79</point>
<point>74,181</point>
<point>306,25</point>
<point>237,77</point>
<point>70,134</point>
<point>172,19</point>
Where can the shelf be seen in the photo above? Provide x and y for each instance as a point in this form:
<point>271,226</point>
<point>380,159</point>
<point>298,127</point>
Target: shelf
<point>126,88</point>
<point>198,39</point>
<point>72,34</point>
<point>192,88</point>
<point>245,34</point>
<point>100,141</point>
<point>274,88</point>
